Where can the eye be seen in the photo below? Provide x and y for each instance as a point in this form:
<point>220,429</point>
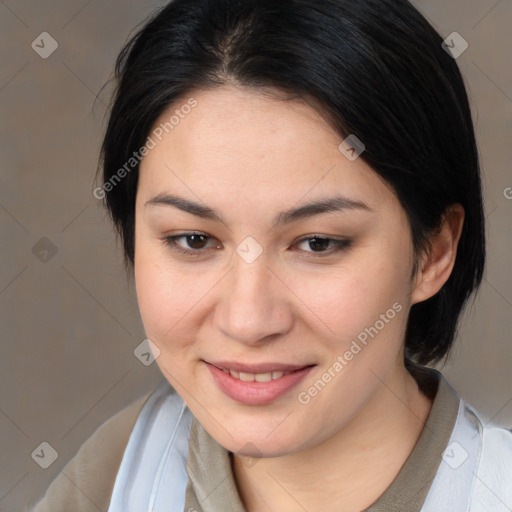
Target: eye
<point>192,244</point>
<point>195,244</point>
<point>320,245</point>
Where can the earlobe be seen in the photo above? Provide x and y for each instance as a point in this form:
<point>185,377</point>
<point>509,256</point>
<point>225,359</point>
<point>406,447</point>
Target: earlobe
<point>436,267</point>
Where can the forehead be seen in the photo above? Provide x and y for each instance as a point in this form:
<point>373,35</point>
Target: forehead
<point>247,142</point>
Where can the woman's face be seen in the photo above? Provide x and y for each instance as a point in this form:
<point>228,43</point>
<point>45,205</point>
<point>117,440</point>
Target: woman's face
<point>323,291</point>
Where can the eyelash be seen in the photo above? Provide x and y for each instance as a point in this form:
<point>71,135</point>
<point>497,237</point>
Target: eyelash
<point>171,242</point>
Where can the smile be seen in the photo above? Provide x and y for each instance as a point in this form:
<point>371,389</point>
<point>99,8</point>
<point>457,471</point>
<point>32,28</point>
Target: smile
<point>255,377</point>
<point>256,384</point>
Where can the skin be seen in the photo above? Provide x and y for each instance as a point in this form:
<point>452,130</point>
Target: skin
<point>251,156</point>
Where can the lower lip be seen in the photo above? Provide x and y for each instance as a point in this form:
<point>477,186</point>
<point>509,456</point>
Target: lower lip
<point>256,393</point>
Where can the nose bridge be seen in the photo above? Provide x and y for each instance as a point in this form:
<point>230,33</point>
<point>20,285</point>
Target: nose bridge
<point>253,307</point>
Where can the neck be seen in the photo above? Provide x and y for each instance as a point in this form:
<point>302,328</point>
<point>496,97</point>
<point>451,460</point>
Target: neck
<point>351,469</point>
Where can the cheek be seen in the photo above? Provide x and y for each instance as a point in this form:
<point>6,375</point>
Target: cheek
<point>166,306</point>
<point>160,294</point>
<point>173,300</point>
<point>345,302</point>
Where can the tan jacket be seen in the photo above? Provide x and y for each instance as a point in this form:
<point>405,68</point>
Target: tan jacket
<point>87,481</point>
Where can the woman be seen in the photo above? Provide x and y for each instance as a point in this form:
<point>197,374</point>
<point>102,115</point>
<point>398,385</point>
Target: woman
<point>296,185</point>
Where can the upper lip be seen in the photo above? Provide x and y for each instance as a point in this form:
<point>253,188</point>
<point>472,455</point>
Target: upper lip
<point>257,368</point>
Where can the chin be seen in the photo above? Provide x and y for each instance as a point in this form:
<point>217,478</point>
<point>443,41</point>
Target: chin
<point>264,439</point>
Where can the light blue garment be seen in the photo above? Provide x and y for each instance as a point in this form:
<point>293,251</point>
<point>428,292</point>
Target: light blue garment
<point>475,474</point>
<point>152,476</point>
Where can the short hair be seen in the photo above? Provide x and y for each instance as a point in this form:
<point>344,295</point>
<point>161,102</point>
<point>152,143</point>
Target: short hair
<point>375,68</point>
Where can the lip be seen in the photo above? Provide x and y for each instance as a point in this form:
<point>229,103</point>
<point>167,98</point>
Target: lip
<point>256,368</point>
<point>256,393</point>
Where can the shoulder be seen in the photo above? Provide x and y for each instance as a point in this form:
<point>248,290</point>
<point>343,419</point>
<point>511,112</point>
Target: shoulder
<point>495,444</point>
<point>492,469</point>
<point>493,484</point>
<point>87,480</point>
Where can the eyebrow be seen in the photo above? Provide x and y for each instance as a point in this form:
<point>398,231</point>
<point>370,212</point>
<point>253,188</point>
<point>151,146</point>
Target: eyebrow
<point>318,207</point>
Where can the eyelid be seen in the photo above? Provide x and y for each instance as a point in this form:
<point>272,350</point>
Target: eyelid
<point>340,244</point>
<point>170,241</point>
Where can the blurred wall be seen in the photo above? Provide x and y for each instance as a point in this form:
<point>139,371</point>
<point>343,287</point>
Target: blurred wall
<point>69,318</point>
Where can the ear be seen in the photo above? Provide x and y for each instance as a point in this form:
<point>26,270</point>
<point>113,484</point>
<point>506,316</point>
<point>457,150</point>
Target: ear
<point>437,265</point>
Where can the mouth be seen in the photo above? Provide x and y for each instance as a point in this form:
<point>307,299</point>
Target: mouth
<point>263,372</point>
<point>256,384</point>
<point>256,377</point>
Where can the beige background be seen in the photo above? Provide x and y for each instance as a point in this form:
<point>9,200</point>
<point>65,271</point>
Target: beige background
<point>70,325</point>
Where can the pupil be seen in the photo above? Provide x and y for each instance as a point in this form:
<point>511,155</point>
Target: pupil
<point>196,241</point>
<point>318,243</point>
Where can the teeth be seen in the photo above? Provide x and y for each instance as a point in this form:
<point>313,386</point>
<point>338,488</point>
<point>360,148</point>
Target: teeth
<point>258,377</point>
<point>263,377</point>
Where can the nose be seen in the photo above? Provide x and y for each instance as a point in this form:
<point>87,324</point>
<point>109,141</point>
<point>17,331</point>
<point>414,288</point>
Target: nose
<point>254,305</point>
